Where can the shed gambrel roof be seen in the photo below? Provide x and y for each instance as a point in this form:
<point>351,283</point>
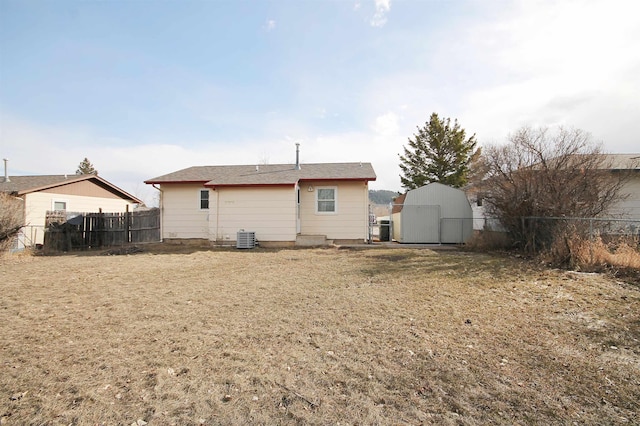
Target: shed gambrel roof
<point>20,185</point>
<point>267,174</point>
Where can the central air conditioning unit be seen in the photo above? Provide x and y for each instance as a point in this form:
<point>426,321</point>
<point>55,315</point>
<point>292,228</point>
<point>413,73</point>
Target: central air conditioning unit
<point>246,239</point>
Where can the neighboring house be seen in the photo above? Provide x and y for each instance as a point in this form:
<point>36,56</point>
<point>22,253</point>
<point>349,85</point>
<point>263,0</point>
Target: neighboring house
<point>72,193</point>
<point>433,213</point>
<point>284,204</point>
<point>627,208</point>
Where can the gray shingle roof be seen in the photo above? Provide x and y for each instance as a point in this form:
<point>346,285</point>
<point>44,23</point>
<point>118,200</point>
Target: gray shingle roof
<point>267,174</point>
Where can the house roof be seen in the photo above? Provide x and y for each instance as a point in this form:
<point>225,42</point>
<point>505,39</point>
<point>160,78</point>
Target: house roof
<point>20,185</point>
<point>612,162</point>
<point>398,203</point>
<point>623,161</point>
<point>267,174</point>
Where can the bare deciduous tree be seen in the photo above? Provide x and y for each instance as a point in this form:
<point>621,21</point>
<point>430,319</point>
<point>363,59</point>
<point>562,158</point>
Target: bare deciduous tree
<point>11,219</point>
<point>547,173</point>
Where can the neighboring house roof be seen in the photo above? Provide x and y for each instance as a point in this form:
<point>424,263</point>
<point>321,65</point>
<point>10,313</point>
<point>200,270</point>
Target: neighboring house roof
<point>622,161</point>
<point>20,185</point>
<point>267,174</point>
<point>398,203</point>
<point>614,162</point>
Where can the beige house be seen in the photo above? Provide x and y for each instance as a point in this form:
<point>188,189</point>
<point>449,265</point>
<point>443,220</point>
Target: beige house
<point>284,204</point>
<point>627,208</point>
<point>72,193</point>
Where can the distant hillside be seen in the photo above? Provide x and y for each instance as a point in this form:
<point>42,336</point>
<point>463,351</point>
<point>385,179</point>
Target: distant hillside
<point>381,196</point>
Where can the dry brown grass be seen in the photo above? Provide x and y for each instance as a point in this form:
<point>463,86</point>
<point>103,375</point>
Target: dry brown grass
<point>486,240</point>
<point>621,253</point>
<point>318,336</point>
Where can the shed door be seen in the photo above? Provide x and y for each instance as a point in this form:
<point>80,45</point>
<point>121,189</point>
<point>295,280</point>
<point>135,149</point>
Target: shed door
<point>421,224</point>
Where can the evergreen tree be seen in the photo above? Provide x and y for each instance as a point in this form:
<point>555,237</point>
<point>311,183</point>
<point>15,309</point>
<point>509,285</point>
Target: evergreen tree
<point>86,168</point>
<point>439,152</point>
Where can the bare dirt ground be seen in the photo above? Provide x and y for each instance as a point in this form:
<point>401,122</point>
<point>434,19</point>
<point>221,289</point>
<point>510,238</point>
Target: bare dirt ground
<point>314,336</point>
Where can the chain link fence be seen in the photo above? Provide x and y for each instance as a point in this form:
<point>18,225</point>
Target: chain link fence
<point>545,230</point>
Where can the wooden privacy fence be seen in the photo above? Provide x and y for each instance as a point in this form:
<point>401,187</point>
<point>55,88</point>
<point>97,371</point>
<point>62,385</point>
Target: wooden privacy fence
<point>67,231</point>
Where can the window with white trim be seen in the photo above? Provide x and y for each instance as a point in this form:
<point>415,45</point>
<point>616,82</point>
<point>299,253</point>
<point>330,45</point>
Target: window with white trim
<point>59,205</point>
<point>326,200</point>
<point>204,199</point>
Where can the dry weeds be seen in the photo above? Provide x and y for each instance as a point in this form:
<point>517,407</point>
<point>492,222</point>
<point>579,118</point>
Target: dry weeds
<point>622,254</point>
<point>318,336</point>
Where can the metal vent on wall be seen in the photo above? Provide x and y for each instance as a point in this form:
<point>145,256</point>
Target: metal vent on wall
<point>246,240</point>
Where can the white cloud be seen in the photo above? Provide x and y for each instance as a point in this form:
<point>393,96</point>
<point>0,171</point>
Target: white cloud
<point>382,7</point>
<point>270,25</point>
<point>559,63</point>
<point>386,124</point>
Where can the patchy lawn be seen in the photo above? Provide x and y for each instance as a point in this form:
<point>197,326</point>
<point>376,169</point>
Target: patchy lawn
<point>316,336</point>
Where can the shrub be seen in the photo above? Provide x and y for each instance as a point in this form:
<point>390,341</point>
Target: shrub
<point>547,174</point>
<point>11,219</point>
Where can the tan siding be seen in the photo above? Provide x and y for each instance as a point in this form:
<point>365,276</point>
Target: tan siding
<point>397,226</point>
<point>181,215</point>
<point>269,212</point>
<point>84,188</point>
<point>351,219</point>
<point>37,204</point>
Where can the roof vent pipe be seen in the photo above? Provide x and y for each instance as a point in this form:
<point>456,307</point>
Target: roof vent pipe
<point>297,156</point>
<point>6,170</point>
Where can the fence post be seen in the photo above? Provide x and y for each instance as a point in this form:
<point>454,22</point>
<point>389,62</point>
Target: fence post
<point>127,217</point>
<point>86,230</point>
<point>591,240</point>
<point>100,226</point>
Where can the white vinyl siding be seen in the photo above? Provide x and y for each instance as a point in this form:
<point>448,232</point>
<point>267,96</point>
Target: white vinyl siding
<point>629,208</point>
<point>351,219</point>
<point>181,215</point>
<point>270,212</point>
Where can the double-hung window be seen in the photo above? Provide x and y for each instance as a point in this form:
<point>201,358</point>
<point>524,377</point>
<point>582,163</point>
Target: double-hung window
<point>204,199</point>
<point>327,200</point>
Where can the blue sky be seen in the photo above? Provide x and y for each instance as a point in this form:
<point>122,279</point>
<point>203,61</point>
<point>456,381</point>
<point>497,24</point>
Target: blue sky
<point>144,88</point>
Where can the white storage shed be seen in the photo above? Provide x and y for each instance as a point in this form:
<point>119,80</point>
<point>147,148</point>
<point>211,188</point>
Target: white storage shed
<point>434,214</point>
